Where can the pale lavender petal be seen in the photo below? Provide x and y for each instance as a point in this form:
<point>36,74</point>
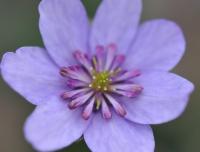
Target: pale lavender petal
<point>32,73</point>
<point>64,27</point>
<point>53,126</point>
<point>164,98</point>
<point>118,135</point>
<point>159,45</point>
<point>116,22</point>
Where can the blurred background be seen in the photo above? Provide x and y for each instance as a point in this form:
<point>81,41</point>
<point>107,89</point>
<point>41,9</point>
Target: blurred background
<point>19,27</point>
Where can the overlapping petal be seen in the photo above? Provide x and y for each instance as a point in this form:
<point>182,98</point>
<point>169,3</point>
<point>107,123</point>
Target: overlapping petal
<point>164,98</point>
<point>116,22</point>
<point>117,135</point>
<point>159,45</point>
<point>64,27</point>
<point>53,126</point>
<point>32,73</point>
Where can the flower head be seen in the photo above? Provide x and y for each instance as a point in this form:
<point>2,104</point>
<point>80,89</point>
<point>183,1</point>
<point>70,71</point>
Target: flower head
<point>97,81</point>
<point>108,81</point>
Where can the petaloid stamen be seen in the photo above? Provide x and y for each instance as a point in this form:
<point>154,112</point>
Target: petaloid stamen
<point>83,59</point>
<point>88,109</point>
<point>118,107</point>
<point>73,93</point>
<point>72,83</point>
<point>80,100</point>
<point>105,110</point>
<point>111,50</point>
<point>119,59</point>
<point>75,72</point>
<point>100,57</point>
<point>128,75</point>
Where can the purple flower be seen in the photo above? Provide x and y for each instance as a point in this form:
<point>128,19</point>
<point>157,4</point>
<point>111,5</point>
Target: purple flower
<point>108,81</point>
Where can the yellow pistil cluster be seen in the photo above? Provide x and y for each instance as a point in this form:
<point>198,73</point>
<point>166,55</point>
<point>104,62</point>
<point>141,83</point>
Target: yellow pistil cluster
<point>100,81</point>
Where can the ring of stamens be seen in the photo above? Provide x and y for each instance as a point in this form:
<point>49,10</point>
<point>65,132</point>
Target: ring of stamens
<point>96,82</point>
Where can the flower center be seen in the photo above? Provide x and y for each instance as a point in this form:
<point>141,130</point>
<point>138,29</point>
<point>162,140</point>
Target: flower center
<point>100,81</point>
<point>97,82</point>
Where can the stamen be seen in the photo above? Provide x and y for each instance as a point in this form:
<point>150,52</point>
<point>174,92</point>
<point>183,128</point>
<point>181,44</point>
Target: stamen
<point>119,59</point>
<point>98,103</point>
<point>129,94</point>
<point>100,57</point>
<point>80,100</point>
<point>75,72</point>
<point>115,72</point>
<point>118,108</point>
<point>83,59</point>
<point>88,109</point>
<point>94,61</point>
<point>72,93</point>
<point>105,110</point>
<point>111,50</point>
<point>72,83</point>
<point>128,75</point>
<point>129,90</point>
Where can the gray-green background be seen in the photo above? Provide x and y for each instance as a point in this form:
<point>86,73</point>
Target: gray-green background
<point>19,27</point>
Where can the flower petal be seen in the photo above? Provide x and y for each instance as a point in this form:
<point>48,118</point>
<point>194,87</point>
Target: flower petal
<point>32,74</point>
<point>117,135</point>
<point>116,22</point>
<point>164,98</point>
<point>53,126</point>
<point>159,45</point>
<point>64,27</point>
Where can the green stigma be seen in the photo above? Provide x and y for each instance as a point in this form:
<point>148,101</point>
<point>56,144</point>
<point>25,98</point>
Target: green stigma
<point>100,81</point>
